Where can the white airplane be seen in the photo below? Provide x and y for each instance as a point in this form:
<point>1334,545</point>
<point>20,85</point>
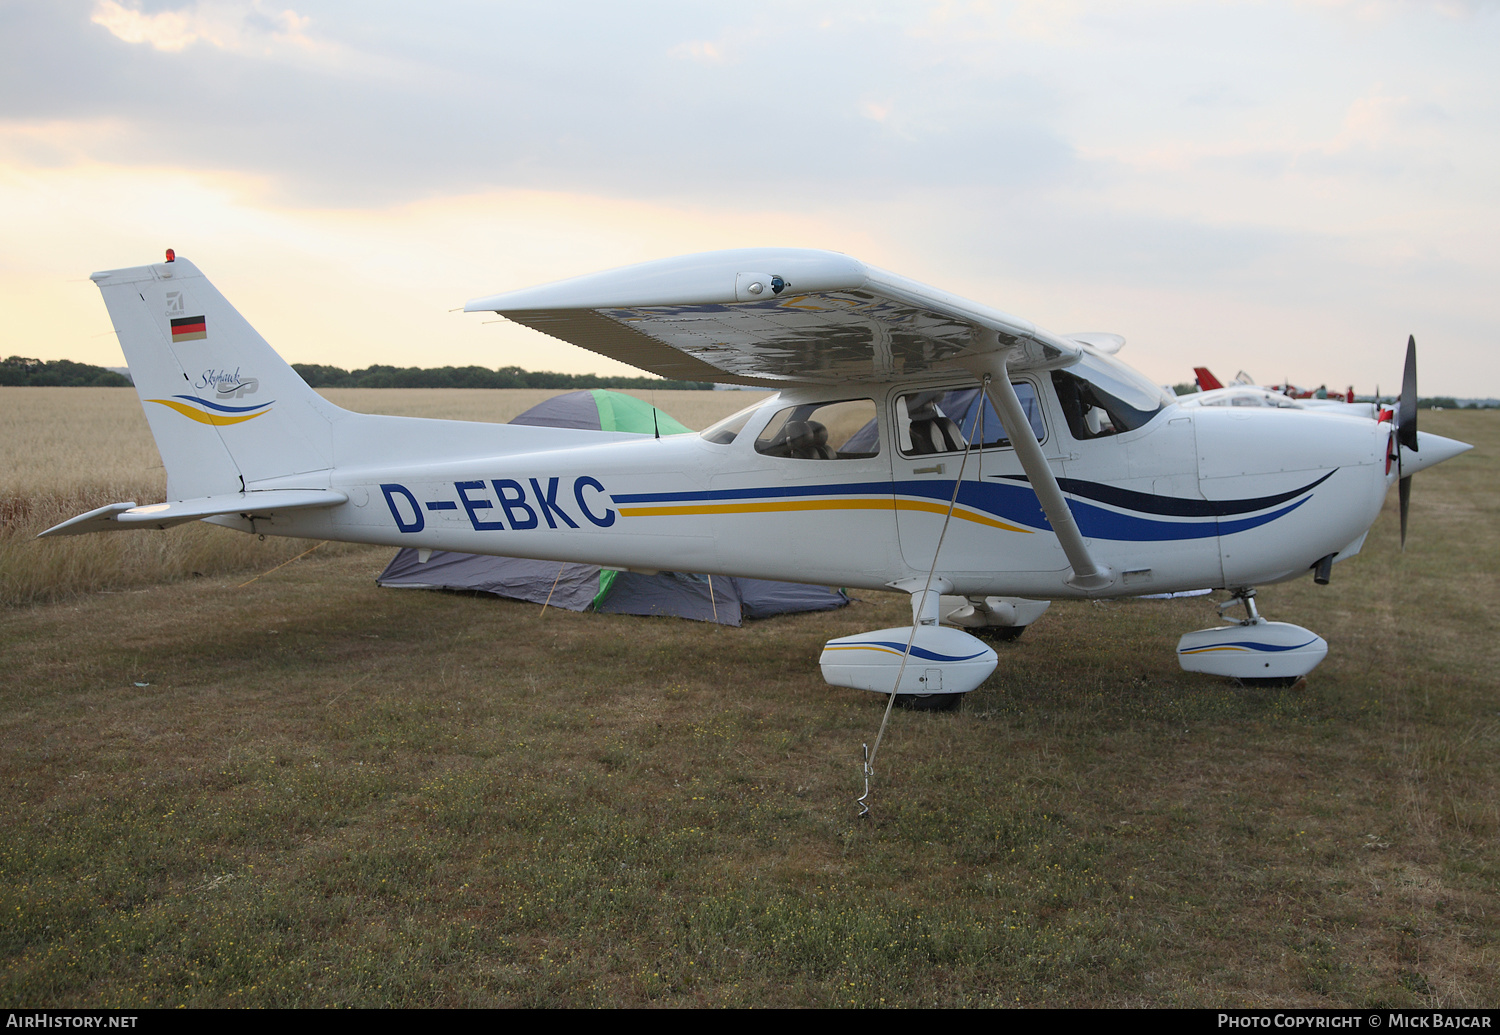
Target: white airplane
<point>875,466</point>
<point>1243,391</point>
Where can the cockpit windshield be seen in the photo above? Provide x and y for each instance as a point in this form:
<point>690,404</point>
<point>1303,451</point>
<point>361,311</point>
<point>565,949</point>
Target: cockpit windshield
<point>724,431</point>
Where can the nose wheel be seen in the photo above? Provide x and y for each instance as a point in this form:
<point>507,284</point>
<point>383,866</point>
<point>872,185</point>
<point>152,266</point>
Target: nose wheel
<point>1252,651</point>
<point>929,702</point>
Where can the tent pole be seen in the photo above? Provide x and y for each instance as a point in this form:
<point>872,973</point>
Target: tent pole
<point>555,581</point>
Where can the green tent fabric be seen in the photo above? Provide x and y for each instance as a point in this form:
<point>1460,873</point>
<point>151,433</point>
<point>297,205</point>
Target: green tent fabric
<point>599,409</point>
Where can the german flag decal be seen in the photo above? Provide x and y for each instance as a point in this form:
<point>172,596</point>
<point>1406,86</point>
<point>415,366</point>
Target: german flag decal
<point>189,328</point>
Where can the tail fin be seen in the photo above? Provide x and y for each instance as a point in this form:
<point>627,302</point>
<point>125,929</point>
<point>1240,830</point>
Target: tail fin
<point>1206,380</point>
<point>226,411</point>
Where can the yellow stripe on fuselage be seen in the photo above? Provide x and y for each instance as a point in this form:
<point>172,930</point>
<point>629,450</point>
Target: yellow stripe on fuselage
<point>216,419</point>
<point>783,506</point>
<point>872,646</point>
<point>932,507</point>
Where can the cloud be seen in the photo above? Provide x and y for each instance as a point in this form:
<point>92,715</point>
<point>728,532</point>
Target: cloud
<point>243,27</point>
<point>1379,119</point>
<point>169,30</point>
<point>699,50</point>
<point>343,285</point>
<point>1385,10</point>
<point>394,108</point>
<point>1252,154</point>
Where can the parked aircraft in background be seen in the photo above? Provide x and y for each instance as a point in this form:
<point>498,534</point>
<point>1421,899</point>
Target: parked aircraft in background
<point>918,441</point>
<point>1242,391</point>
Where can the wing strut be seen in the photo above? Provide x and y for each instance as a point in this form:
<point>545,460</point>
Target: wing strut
<point>1087,572</point>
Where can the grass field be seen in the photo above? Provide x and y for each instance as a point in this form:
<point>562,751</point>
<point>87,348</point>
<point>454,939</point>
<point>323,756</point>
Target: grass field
<point>310,791</point>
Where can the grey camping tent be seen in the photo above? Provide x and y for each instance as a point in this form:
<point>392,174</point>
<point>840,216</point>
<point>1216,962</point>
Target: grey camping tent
<point>582,587</point>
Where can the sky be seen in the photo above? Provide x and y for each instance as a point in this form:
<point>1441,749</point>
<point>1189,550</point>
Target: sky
<point>1286,188</point>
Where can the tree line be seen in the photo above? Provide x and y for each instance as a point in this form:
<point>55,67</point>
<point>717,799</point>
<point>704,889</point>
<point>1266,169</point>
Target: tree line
<point>379,376</point>
<point>57,373</point>
<point>64,373</point>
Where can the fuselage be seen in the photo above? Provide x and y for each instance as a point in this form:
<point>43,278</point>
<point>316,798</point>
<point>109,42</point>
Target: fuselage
<point>1193,497</point>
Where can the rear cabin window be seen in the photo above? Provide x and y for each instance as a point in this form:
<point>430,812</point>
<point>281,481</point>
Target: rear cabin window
<point>822,431</point>
<point>944,420</point>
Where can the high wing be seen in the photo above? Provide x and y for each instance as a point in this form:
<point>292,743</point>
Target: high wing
<point>769,316</point>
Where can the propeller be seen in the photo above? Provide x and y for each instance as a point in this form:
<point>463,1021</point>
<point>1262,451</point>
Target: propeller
<point>1406,427</point>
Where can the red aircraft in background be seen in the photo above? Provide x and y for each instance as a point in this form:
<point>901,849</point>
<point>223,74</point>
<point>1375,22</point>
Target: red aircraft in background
<point>1207,383</point>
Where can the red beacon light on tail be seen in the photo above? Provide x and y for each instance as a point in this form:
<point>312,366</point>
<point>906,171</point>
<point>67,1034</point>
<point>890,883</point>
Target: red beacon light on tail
<point>171,255</point>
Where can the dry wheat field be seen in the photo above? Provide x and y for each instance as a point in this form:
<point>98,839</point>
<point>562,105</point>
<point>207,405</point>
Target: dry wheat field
<point>310,791</point>
<point>69,450</point>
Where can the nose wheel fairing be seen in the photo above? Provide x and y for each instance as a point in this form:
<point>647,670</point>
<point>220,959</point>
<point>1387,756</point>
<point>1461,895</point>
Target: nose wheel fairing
<point>1252,650</point>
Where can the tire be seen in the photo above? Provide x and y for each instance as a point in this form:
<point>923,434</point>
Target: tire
<point>1271,682</point>
<point>929,702</point>
<point>999,633</point>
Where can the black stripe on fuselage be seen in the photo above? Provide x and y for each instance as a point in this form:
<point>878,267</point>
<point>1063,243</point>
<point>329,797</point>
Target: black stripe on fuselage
<point>1171,506</point>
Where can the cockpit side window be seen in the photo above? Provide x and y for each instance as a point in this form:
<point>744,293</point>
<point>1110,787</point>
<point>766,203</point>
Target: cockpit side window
<point>944,420</point>
<point>1100,398</point>
<point>844,430</point>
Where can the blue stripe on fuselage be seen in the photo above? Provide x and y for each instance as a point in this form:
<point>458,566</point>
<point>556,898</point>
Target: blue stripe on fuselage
<point>1008,501</point>
<point>900,648</point>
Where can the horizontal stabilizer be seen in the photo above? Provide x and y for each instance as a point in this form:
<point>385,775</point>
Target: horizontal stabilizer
<point>119,516</point>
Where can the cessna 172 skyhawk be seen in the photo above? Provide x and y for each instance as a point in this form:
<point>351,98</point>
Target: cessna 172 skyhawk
<point>875,466</point>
